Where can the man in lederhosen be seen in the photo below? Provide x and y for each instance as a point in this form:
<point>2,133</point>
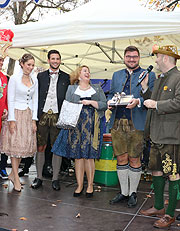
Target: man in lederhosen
<point>163,129</point>
<point>53,84</point>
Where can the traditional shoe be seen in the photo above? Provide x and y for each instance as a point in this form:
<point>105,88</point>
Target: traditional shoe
<point>75,194</point>
<point>36,183</point>
<point>89,195</point>
<point>56,185</point>
<point>153,212</point>
<point>164,222</point>
<point>132,202</point>
<point>118,198</point>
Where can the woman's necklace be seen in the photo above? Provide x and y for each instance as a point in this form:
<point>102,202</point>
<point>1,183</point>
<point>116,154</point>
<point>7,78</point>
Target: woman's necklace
<point>84,88</point>
<point>26,74</point>
<point>27,80</point>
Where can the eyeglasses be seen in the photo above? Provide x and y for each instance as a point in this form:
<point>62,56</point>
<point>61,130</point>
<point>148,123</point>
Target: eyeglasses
<point>131,57</point>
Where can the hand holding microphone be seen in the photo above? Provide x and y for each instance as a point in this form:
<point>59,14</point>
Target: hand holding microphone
<point>144,74</point>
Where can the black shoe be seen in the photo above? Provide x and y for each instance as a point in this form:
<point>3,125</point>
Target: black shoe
<point>78,194</point>
<point>132,202</point>
<point>23,172</point>
<point>56,185</point>
<point>178,217</point>
<point>36,183</point>
<point>89,195</point>
<point>118,198</point>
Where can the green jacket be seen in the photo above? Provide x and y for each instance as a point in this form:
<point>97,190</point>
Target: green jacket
<point>163,123</point>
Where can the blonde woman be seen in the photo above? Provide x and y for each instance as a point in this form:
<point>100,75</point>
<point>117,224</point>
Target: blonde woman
<point>83,143</point>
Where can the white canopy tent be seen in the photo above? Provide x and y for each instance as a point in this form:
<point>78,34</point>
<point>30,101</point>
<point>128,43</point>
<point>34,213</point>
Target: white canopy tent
<point>96,34</point>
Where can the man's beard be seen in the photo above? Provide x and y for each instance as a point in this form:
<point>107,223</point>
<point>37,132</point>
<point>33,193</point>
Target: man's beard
<point>132,67</point>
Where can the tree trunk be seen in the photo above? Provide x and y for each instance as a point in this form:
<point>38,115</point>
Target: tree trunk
<point>11,66</point>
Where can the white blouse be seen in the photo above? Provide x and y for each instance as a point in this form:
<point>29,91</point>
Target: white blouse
<point>86,93</point>
<point>21,97</point>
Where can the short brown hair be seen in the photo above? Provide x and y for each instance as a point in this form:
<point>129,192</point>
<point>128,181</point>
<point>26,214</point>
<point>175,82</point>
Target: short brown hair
<point>131,49</point>
<point>74,76</point>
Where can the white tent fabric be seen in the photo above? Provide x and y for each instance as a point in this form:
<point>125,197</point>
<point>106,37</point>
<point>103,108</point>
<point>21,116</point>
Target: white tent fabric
<point>96,34</point>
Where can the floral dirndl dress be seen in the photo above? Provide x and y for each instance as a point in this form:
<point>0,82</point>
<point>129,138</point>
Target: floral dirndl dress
<point>85,140</point>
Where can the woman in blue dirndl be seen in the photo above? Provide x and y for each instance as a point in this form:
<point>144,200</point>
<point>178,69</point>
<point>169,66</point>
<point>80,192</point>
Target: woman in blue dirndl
<point>84,142</point>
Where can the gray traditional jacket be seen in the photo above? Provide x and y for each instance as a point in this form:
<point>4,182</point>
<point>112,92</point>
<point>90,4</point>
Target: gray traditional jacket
<point>163,124</point>
<point>99,96</point>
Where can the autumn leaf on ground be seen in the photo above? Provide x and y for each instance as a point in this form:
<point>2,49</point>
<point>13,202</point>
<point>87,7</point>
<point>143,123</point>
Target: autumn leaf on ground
<point>5,185</point>
<point>14,230</point>
<point>23,218</point>
<point>166,202</point>
<point>78,215</point>
<point>97,190</point>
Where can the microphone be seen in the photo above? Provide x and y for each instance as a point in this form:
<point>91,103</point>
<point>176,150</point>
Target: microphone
<point>149,69</point>
<point>105,80</point>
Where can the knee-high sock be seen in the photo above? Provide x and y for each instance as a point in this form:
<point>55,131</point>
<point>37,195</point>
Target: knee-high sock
<point>40,158</point>
<point>158,183</point>
<point>122,171</point>
<point>56,165</point>
<point>134,178</point>
<point>173,191</point>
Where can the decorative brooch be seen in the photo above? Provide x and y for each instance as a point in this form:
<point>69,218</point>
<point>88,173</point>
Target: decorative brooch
<point>165,88</point>
<point>2,89</point>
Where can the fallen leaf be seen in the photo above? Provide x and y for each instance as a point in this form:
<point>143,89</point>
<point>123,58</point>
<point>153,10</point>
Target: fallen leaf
<point>149,196</point>
<point>23,218</point>
<point>166,202</point>
<point>78,215</point>
<point>5,185</point>
<point>53,205</point>
<point>14,230</point>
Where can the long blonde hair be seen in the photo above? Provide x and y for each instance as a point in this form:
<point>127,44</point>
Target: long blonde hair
<point>74,76</point>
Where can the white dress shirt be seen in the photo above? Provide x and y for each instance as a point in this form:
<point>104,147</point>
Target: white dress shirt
<point>51,99</point>
<point>22,97</point>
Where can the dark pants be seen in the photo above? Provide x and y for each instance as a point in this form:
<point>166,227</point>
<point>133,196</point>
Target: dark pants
<point>3,162</point>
